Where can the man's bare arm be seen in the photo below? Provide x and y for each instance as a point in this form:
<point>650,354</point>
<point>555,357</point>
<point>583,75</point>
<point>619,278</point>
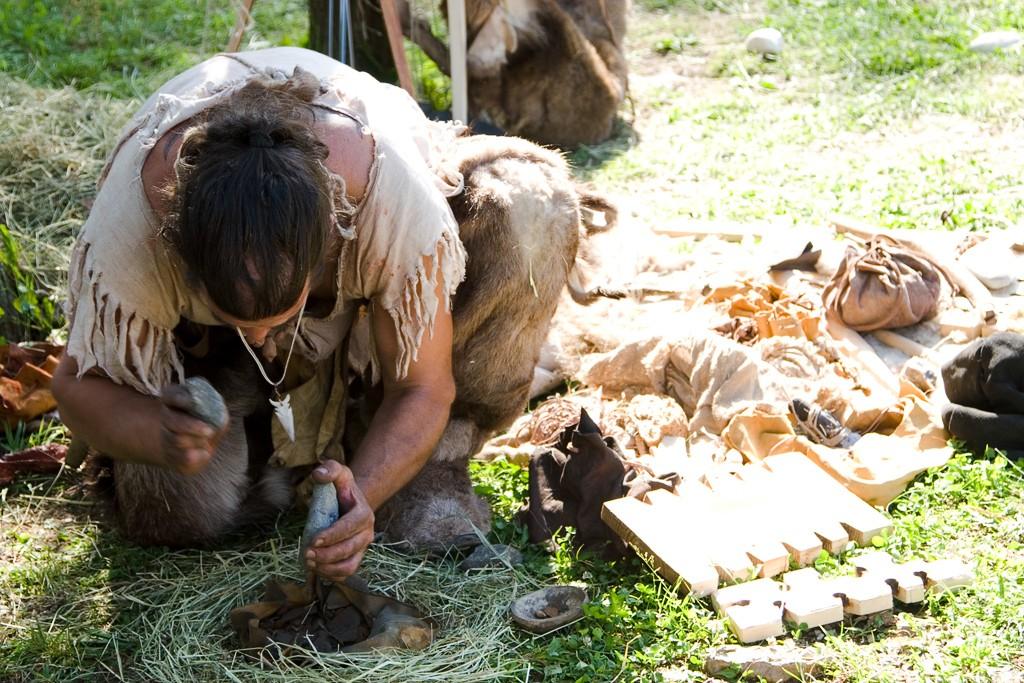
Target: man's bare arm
<point>130,426</point>
<point>412,414</point>
<point>400,440</point>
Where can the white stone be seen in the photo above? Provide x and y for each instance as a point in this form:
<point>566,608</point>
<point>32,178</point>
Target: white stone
<point>765,41</point>
<point>990,41</point>
<point>774,663</point>
<point>995,262</point>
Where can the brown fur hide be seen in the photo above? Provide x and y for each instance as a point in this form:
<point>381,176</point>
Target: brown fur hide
<point>565,87</point>
<point>520,221</point>
<point>552,71</point>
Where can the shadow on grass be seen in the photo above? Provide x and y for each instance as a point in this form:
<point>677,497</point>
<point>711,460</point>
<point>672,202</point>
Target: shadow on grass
<point>588,159</point>
<point>72,617</point>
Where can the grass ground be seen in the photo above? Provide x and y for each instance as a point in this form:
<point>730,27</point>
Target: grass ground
<point>876,108</point>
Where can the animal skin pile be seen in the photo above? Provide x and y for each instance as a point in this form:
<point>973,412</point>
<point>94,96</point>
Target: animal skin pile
<point>734,349</point>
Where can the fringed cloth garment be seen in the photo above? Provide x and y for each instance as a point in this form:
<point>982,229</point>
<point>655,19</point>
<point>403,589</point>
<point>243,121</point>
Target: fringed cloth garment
<point>128,291</point>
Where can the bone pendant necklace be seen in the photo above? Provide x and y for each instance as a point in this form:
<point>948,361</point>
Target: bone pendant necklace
<point>281,404</point>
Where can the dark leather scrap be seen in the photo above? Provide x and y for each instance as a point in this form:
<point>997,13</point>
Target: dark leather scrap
<point>985,386</point>
<point>328,617</point>
<point>570,482</point>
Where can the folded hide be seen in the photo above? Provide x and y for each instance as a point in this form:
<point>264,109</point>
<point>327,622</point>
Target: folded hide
<point>570,482</point>
<point>339,617</point>
<point>985,386</point>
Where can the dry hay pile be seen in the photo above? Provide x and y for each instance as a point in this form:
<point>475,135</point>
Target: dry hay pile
<point>169,620</point>
<point>53,147</point>
<point>184,633</point>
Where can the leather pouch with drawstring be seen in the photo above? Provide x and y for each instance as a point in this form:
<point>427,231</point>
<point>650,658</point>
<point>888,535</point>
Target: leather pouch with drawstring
<point>883,287</point>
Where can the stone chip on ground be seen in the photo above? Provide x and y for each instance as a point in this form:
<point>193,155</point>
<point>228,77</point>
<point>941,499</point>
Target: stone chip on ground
<point>772,663</point>
<point>990,41</point>
<point>484,556</point>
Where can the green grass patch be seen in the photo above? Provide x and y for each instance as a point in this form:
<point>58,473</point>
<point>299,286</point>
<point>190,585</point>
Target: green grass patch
<point>129,47</point>
<point>884,38</point>
<point>875,109</point>
<point>79,602</point>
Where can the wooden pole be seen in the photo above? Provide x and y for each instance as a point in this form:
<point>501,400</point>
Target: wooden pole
<point>393,25</point>
<point>244,14</point>
<point>457,50</point>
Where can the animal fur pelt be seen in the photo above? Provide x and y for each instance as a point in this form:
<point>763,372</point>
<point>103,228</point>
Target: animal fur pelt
<point>552,71</point>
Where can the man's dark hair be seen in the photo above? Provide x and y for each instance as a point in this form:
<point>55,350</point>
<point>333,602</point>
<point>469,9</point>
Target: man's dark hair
<point>252,201</point>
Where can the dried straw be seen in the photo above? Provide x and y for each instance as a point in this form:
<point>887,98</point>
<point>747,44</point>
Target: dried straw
<point>51,152</point>
<point>185,635</point>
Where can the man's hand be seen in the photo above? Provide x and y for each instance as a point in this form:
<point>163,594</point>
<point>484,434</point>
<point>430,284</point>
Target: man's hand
<point>336,552</point>
<point>186,443</point>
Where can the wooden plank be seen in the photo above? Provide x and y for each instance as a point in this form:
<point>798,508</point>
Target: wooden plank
<point>830,532</point>
<point>457,47</point>
<point>751,529</point>
<point>733,232</point>
<point>785,515</point>
<point>861,521</point>
<point>657,535</point>
<point>903,344</point>
<point>709,525</point>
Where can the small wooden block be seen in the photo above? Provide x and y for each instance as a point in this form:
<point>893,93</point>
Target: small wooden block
<point>832,535</point>
<point>660,537</point>
<point>904,579</point>
<point>967,323</point>
<point>862,595</point>
<point>803,545</point>
<point>771,558</point>
<point>753,609</point>
<point>808,601</point>
<point>943,575</point>
<point>759,590</point>
<point>755,621</point>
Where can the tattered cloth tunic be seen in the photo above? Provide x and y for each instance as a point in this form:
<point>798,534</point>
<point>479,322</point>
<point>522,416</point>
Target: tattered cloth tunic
<point>128,291</point>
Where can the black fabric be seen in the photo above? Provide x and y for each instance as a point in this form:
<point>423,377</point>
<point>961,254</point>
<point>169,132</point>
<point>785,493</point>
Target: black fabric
<point>570,482</point>
<point>985,386</point>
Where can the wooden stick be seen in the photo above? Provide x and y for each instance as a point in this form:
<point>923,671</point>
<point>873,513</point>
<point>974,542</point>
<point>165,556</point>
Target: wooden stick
<point>901,343</point>
<point>853,347</point>
<point>393,26</point>
<point>457,47</point>
<point>725,231</point>
<point>846,225</point>
<point>244,14</point>
<point>965,281</point>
